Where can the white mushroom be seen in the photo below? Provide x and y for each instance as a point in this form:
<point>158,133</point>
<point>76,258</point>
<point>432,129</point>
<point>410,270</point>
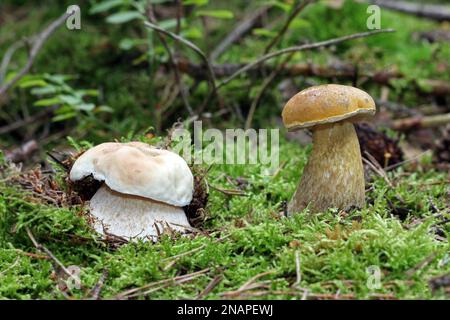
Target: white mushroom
<point>144,188</point>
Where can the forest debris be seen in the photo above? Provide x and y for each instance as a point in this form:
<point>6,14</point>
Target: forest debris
<point>304,47</point>
<point>439,282</point>
<point>420,122</point>
<point>436,35</point>
<point>23,152</point>
<point>45,188</point>
<point>384,149</point>
<point>196,210</point>
<point>230,192</point>
<point>61,273</point>
<point>341,70</point>
<point>38,117</point>
<point>422,264</point>
<point>442,149</point>
<point>214,283</point>
<point>95,292</point>
<point>157,285</point>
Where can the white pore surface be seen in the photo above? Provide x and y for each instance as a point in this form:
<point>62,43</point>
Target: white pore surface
<point>133,217</point>
<point>136,168</point>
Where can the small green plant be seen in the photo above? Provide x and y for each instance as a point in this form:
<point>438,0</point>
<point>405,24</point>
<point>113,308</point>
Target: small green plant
<point>54,91</point>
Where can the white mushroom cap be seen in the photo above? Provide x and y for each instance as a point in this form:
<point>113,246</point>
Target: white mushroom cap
<point>136,168</point>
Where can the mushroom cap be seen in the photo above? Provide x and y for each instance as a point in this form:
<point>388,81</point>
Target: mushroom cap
<point>327,104</point>
<point>136,168</point>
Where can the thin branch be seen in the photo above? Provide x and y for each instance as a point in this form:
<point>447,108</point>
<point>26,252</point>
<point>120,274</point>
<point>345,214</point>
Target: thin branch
<point>420,122</point>
<point>299,8</point>
<point>211,76</point>
<point>214,283</point>
<point>264,86</point>
<point>24,122</point>
<point>241,29</point>
<point>183,93</point>
<point>7,58</point>
<point>37,45</point>
<point>316,45</point>
<point>43,249</point>
<point>298,270</point>
<point>161,284</point>
<point>95,292</point>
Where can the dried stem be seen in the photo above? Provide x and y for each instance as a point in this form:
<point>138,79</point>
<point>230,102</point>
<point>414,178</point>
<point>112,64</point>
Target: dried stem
<point>316,45</point>
<point>37,45</point>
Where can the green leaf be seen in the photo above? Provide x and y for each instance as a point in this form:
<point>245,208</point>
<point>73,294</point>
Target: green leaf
<point>44,90</point>
<point>279,4</point>
<point>219,14</point>
<point>69,99</point>
<point>264,32</point>
<point>122,17</point>
<point>168,23</point>
<point>105,6</point>
<point>195,2</point>
<point>47,102</point>
<point>193,33</point>
<point>64,116</point>
<point>127,43</point>
<point>103,109</point>
<point>32,83</point>
<point>85,106</point>
<point>88,92</point>
<point>299,23</point>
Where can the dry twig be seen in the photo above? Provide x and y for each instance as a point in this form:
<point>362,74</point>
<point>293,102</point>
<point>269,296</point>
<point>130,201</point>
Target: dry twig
<point>316,45</point>
<point>37,45</point>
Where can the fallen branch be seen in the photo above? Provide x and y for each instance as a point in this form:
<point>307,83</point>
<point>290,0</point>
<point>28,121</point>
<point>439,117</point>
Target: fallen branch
<point>37,45</point>
<point>316,45</point>
<point>23,152</point>
<point>420,122</point>
<point>95,292</point>
<point>331,72</point>
<point>43,249</point>
<point>431,11</point>
<point>29,120</point>
<point>241,29</point>
<point>214,283</point>
<point>154,286</point>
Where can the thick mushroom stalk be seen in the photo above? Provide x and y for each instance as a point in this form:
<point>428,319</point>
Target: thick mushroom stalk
<point>334,175</point>
<point>132,216</point>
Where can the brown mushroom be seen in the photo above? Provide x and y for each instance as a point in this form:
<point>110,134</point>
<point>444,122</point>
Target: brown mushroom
<point>334,175</point>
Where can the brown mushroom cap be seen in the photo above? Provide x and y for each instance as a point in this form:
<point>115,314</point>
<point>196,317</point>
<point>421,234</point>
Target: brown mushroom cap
<point>326,104</point>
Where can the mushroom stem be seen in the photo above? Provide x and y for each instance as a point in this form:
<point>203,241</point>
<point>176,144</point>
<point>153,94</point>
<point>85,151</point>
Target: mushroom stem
<point>133,216</point>
<point>334,175</point>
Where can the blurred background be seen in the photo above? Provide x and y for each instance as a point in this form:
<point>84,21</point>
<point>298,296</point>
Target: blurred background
<point>116,78</point>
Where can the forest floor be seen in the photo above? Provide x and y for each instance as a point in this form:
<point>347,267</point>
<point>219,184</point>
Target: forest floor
<point>397,247</point>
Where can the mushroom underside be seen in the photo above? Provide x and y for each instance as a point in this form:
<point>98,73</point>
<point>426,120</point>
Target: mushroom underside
<point>131,216</point>
<point>334,175</point>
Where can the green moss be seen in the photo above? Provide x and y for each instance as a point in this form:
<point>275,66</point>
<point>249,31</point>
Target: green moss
<point>334,249</point>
